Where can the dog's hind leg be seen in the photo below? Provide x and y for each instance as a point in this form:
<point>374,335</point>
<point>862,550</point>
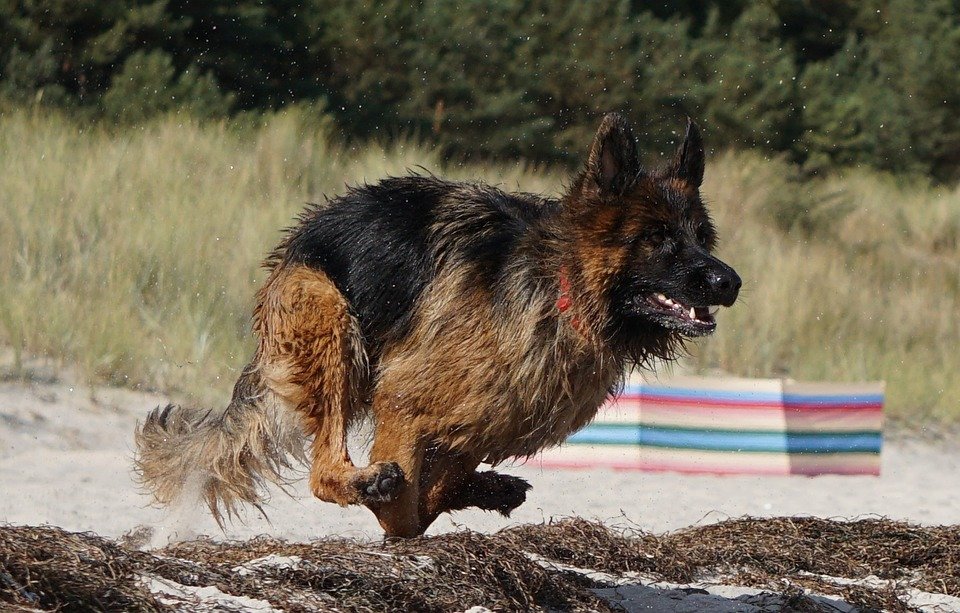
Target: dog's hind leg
<point>452,483</point>
<point>311,355</point>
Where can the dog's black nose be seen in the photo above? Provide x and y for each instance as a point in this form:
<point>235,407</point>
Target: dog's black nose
<point>725,285</point>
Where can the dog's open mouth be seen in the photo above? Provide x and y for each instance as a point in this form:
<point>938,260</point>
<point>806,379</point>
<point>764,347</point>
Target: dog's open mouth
<point>698,319</point>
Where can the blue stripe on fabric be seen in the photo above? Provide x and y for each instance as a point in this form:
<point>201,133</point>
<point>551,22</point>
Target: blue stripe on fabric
<point>832,399</point>
<point>726,440</point>
<point>607,434</point>
<point>701,394</point>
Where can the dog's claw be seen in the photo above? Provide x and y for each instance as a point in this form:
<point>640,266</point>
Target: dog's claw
<point>382,484</point>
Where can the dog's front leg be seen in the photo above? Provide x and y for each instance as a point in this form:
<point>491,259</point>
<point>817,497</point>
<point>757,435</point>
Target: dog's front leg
<point>399,441</point>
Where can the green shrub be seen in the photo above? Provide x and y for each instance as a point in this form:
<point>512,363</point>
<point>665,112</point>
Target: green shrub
<point>147,85</point>
<point>829,85</point>
<point>135,254</point>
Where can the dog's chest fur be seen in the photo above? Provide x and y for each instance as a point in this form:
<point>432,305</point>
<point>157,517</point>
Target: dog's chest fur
<point>455,288</point>
<point>494,380</point>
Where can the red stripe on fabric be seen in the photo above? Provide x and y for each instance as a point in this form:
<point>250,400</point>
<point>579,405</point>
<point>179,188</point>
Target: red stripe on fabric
<point>700,470</point>
<point>658,400</point>
<point>755,470</point>
<point>818,412</point>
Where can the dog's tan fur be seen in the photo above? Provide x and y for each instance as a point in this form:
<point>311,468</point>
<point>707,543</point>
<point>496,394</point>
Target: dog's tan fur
<point>474,377</point>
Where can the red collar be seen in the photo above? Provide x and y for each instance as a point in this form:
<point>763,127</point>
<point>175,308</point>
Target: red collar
<point>564,301</point>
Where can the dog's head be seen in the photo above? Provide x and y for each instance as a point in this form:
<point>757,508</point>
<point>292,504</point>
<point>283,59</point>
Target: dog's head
<point>646,239</point>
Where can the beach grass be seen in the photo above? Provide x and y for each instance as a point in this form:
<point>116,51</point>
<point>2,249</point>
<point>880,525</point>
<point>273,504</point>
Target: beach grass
<point>133,255</point>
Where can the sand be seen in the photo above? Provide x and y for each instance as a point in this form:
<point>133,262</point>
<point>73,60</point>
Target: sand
<point>65,460</point>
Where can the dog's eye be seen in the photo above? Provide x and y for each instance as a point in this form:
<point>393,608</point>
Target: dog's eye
<point>657,237</point>
<point>704,236</point>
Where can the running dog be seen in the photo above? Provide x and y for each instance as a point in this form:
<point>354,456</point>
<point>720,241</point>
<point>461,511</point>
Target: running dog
<point>471,324</point>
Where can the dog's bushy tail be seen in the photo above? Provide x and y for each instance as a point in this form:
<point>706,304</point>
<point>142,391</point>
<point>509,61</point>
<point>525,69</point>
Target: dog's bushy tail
<point>225,456</point>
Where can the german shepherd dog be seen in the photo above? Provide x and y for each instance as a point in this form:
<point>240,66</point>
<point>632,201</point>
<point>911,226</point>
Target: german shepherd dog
<point>474,325</point>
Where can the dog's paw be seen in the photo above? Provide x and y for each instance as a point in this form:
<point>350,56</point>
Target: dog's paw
<point>379,482</point>
<point>502,493</point>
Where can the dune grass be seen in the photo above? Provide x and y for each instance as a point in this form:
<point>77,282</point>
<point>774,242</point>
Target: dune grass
<point>135,254</point>
<point>850,278</point>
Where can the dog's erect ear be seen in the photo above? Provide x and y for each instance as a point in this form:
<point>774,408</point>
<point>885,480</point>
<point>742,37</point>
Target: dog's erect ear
<point>613,162</point>
<point>688,163</point>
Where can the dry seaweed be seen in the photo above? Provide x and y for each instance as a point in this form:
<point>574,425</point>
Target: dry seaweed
<point>47,568</point>
<point>50,568</point>
<point>762,552</point>
<point>443,573</point>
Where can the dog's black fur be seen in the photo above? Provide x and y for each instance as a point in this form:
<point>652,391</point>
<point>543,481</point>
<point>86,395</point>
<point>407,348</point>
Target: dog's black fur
<point>476,325</point>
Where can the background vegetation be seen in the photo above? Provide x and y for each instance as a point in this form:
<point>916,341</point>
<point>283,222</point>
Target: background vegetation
<point>827,83</point>
<point>151,150</point>
<point>134,253</point>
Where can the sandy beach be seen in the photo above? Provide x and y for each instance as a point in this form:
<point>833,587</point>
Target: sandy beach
<point>65,454</point>
<point>65,460</point>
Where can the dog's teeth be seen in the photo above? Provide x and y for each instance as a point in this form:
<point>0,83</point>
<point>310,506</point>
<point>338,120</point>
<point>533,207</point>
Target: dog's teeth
<point>693,312</point>
<point>662,298</point>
